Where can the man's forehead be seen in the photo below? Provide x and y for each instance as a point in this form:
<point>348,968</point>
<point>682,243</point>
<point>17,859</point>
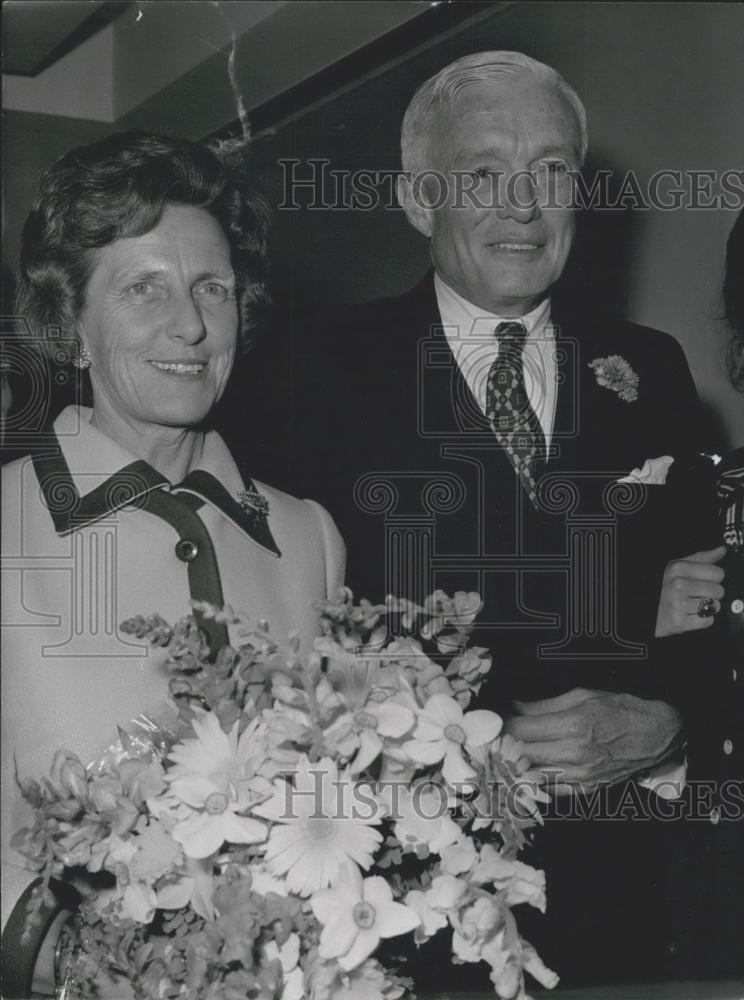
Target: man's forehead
<point>508,104</point>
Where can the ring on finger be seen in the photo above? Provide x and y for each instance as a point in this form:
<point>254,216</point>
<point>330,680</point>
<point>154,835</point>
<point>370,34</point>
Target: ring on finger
<point>707,607</point>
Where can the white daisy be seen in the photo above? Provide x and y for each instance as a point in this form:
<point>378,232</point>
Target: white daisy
<point>214,777</point>
<point>321,821</point>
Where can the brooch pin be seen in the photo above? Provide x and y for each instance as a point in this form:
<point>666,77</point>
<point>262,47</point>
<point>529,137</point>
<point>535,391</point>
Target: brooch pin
<point>253,502</point>
<point>615,373</point>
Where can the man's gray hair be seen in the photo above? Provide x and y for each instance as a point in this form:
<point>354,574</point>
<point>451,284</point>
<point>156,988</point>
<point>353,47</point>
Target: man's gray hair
<point>442,90</point>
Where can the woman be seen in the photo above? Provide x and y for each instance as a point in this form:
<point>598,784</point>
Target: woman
<point>693,592</point>
<point>701,612</point>
<point>144,254</point>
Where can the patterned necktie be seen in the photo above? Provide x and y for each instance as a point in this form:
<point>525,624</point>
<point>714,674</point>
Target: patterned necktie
<point>508,408</point>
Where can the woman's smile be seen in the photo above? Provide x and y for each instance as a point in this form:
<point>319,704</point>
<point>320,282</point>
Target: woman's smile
<point>180,368</point>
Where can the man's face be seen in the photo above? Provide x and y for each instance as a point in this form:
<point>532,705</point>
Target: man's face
<point>506,147</point>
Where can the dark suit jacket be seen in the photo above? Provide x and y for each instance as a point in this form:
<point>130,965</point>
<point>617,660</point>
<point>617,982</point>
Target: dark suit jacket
<point>385,433</point>
<point>388,436</point>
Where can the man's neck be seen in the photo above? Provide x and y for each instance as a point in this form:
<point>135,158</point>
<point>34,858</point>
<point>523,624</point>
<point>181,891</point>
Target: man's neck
<point>502,308</point>
<point>458,305</point>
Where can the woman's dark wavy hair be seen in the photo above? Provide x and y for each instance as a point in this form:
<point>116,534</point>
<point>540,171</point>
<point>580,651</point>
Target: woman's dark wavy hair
<point>119,187</point>
<point>733,301</point>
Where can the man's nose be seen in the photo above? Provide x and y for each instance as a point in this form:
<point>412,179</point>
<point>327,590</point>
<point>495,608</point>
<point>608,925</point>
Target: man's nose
<point>518,198</point>
<point>188,323</point>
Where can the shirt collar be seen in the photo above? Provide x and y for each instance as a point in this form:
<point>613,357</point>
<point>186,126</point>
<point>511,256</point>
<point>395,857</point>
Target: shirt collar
<point>471,320</point>
<point>90,476</point>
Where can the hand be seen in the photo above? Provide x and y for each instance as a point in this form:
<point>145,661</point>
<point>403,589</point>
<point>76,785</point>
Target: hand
<point>594,736</point>
<point>686,581</point>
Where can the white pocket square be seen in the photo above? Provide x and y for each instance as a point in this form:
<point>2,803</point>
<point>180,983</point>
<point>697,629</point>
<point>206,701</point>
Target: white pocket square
<point>652,473</point>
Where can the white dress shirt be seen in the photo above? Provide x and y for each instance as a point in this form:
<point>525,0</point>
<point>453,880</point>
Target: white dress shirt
<point>471,335</point>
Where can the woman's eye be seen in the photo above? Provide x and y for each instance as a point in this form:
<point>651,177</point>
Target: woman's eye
<point>141,288</point>
<point>213,291</point>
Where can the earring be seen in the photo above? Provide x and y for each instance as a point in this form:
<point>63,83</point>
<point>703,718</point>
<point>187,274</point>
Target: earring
<point>82,361</point>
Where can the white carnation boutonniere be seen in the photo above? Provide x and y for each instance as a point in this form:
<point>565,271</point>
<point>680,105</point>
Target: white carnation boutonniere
<point>614,372</point>
<point>653,472</point>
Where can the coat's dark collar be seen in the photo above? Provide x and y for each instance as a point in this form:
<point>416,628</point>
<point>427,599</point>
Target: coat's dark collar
<point>129,487</point>
<point>253,522</point>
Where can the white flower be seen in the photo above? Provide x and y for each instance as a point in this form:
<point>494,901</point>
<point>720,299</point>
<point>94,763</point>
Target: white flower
<point>533,964</point>
<point>514,788</point>
<point>443,729</point>
<point>363,728</point>
<point>214,821</point>
<point>264,882</point>
<point>356,914</point>
<point>288,957</point>
<point>477,924</point>
<point>431,920</point>
<point>446,893</point>
<point>460,610</point>
<point>369,981</point>
<point>653,472</point>
<point>321,821</point>
<point>506,966</point>
<point>223,757</point>
<point>421,816</point>
<point>521,883</point>
<point>460,857</point>
<point>213,775</point>
<point>137,897</point>
<point>194,886</point>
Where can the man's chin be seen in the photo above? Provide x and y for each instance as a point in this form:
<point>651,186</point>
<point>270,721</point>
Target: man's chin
<point>507,298</point>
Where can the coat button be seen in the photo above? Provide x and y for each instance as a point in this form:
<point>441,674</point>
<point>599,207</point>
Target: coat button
<point>737,606</point>
<point>714,816</point>
<point>186,550</point>
<point>728,747</point>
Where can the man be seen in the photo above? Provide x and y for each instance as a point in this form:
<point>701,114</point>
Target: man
<point>474,438</point>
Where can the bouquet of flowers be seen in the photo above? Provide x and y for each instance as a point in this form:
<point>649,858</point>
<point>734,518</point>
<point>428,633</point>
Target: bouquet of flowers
<point>299,817</point>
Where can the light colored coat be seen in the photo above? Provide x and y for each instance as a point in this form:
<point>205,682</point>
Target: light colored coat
<point>69,676</point>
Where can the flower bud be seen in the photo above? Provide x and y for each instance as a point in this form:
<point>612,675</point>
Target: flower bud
<point>74,779</point>
<point>69,774</point>
<point>30,790</point>
<point>68,809</point>
<point>104,799</point>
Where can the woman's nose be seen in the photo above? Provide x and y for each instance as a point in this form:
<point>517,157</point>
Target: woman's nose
<point>188,322</point>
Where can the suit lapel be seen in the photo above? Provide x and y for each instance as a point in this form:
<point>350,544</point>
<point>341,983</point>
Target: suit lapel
<point>580,426</point>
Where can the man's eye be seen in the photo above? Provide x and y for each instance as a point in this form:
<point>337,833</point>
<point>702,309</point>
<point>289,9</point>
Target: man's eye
<point>555,166</point>
<point>482,172</point>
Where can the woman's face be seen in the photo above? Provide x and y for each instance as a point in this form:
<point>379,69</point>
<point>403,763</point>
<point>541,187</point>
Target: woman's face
<point>160,321</point>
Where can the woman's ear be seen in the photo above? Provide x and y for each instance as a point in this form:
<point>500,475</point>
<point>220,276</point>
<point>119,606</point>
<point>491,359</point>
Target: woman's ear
<point>81,358</point>
<point>79,337</point>
<point>412,200</point>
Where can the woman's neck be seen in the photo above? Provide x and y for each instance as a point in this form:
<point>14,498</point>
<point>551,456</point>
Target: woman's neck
<point>172,451</point>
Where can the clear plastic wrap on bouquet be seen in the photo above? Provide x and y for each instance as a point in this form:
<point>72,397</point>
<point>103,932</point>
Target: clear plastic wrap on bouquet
<point>264,832</point>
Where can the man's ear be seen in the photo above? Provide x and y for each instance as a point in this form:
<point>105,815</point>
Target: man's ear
<point>411,199</point>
